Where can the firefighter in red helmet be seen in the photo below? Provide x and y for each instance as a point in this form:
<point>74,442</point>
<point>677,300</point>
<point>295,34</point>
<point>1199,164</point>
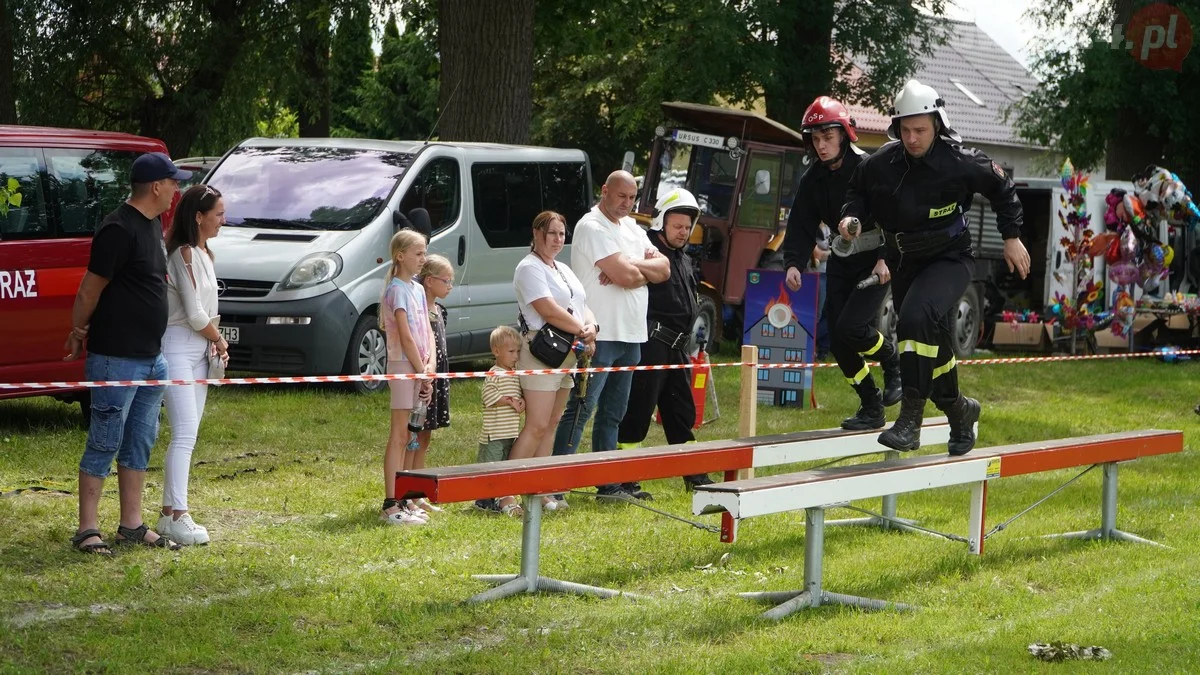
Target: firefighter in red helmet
<point>851,312</point>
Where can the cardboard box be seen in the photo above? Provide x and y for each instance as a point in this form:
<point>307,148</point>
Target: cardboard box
<point>1106,339</point>
<point>1027,336</point>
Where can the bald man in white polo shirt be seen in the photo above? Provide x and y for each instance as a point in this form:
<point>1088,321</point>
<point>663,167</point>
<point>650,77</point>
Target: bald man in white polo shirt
<point>613,259</point>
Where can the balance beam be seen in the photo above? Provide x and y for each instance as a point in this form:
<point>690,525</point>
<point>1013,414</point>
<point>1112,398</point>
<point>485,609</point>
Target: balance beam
<point>535,477</point>
<point>816,490</point>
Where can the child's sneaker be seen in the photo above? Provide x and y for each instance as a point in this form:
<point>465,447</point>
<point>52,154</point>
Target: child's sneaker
<point>401,517</point>
<point>424,504</point>
<point>487,505</point>
<point>183,530</point>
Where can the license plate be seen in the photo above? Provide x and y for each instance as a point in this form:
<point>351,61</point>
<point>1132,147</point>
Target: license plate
<point>231,334</point>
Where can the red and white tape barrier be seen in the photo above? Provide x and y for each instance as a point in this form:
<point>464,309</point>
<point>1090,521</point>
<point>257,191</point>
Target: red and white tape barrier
<point>314,379</point>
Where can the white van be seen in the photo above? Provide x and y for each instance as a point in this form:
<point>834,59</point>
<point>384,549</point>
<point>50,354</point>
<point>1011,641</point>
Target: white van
<point>301,260</point>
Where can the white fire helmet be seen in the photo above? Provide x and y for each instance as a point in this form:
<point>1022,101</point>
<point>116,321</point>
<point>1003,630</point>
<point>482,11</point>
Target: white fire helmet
<point>675,200</point>
<point>919,99</point>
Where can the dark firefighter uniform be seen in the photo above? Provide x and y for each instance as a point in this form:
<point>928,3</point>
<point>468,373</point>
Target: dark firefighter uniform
<point>852,313</point>
<point>921,204</point>
<point>671,314</point>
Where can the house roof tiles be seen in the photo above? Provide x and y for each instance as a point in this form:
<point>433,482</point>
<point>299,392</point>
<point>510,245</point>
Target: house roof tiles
<point>970,58</point>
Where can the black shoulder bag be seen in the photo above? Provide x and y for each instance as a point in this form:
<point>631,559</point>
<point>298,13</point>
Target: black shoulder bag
<point>550,345</point>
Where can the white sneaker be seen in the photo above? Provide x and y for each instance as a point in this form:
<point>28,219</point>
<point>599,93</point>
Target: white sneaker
<point>183,530</point>
<point>426,506</point>
<point>414,510</point>
<point>401,517</point>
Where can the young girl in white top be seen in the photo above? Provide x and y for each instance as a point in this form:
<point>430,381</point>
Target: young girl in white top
<point>405,320</point>
<point>190,338</point>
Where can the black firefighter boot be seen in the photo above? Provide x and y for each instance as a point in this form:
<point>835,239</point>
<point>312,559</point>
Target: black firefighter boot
<point>905,432</point>
<point>870,409</point>
<point>962,415</point>
<point>893,391</point>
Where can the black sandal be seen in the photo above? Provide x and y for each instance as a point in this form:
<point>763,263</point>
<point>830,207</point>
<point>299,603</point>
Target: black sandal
<point>137,535</point>
<point>97,548</point>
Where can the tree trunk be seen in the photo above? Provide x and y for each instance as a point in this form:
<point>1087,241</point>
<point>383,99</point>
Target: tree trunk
<point>487,70</point>
<point>1133,147</point>
<point>8,92</point>
<point>313,69</point>
<point>803,63</point>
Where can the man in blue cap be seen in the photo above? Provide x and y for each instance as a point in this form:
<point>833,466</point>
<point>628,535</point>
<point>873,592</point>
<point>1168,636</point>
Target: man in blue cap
<point>121,312</point>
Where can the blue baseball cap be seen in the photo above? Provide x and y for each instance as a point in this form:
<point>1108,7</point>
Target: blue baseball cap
<point>154,166</point>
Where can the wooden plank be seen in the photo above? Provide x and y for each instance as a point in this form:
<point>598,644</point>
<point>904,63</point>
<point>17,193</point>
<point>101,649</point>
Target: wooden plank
<point>1009,460</point>
<point>808,446</point>
<point>841,487</point>
<point>1029,458</point>
<point>539,476</point>
<point>494,479</point>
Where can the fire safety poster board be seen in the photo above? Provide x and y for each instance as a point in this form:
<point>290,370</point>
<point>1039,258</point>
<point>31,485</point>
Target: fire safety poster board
<point>783,325</point>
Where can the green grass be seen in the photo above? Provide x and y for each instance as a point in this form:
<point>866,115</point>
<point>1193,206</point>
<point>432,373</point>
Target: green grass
<point>301,576</point>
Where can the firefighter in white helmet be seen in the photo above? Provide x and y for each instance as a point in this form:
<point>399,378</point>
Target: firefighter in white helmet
<point>672,311</point>
<point>919,190</point>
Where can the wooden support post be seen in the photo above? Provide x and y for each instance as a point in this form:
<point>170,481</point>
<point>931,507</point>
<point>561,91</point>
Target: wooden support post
<point>748,401</point>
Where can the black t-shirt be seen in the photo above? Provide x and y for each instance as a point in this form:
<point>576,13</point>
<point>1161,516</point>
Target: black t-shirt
<point>131,316</point>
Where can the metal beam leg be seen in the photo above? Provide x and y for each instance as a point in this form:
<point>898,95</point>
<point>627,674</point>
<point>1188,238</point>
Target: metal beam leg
<point>529,581</point>
<point>889,521</point>
<point>813,594</point>
<point>975,534</point>
<point>1108,514</point>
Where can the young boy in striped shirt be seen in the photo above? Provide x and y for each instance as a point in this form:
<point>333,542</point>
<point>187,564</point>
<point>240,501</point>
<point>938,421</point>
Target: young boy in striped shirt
<point>502,408</point>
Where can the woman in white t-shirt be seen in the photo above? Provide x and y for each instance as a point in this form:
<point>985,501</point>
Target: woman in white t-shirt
<point>190,338</point>
<point>548,292</point>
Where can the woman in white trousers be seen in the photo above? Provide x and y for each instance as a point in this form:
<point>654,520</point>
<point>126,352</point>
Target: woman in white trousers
<point>191,337</point>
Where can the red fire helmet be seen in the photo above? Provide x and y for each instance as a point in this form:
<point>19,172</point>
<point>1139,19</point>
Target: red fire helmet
<point>827,112</point>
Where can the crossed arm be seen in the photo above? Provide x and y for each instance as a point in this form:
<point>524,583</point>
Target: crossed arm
<point>619,269</point>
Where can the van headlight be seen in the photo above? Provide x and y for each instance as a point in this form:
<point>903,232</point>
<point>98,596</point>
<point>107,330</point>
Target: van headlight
<point>312,270</point>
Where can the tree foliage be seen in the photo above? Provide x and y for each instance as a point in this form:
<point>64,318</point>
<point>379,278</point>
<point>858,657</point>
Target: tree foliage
<point>350,61</point>
<point>156,67</point>
<point>1098,105</point>
<point>602,69</point>
<point>400,98</point>
<point>860,52</point>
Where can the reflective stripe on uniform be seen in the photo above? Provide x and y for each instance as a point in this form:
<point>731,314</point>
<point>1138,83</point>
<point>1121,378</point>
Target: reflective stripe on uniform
<point>859,376</point>
<point>922,349</point>
<point>874,349</point>
<point>945,368</point>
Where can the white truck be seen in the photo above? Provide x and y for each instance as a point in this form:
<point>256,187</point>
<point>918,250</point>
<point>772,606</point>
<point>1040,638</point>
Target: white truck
<point>994,289</point>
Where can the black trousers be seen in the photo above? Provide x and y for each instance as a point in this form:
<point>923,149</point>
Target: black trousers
<point>853,317</point>
<point>925,294</point>
<point>668,390</point>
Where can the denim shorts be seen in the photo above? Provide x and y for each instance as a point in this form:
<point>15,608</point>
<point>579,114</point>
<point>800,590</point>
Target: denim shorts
<point>124,422</point>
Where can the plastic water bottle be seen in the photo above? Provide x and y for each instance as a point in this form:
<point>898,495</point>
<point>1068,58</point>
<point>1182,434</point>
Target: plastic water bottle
<point>416,422</point>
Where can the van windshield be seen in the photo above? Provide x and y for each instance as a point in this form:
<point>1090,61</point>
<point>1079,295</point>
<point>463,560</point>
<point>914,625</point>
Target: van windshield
<point>307,188</point>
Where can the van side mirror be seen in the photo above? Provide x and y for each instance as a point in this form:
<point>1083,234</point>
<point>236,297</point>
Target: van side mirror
<point>762,182</point>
